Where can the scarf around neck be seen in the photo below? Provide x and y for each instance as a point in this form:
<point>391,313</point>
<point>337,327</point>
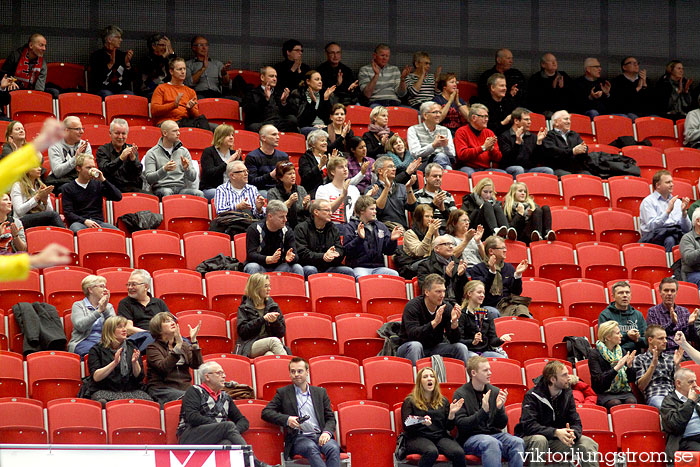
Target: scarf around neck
<point>620,383</point>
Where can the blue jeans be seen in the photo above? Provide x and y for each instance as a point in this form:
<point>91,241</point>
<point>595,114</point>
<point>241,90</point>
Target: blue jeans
<point>252,268</point>
<point>493,312</point>
<point>469,170</point>
<point>655,401</point>
<point>75,226</point>
<point>359,272</point>
<point>209,193</point>
<point>309,448</point>
<point>160,192</point>
<point>491,448</point>
<point>541,170</point>
<point>515,170</point>
<point>106,92</point>
<point>414,351</point>
<point>693,277</point>
<point>443,160</point>
<point>308,270</point>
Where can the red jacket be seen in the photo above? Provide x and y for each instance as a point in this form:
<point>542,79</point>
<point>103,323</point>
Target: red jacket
<point>584,394</point>
<point>468,148</point>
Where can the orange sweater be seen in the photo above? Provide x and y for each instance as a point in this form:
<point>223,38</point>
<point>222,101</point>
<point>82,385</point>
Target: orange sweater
<point>163,103</point>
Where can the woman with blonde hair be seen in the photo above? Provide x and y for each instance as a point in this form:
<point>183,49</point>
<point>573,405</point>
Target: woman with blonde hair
<point>115,364</point>
<point>378,132</point>
<point>611,370</point>
<point>89,315</point>
<point>477,326</point>
<point>484,209</point>
<point>427,417</point>
<point>260,323</point>
<point>528,221</point>
<point>214,160</point>
<point>31,203</point>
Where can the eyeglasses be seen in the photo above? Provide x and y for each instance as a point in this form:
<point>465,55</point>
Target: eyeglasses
<point>435,112</point>
<point>240,171</point>
<point>220,373</point>
<point>482,116</point>
<point>134,284</point>
<point>499,248</point>
<point>76,129</point>
<point>201,45</point>
<point>446,244</point>
<point>632,62</point>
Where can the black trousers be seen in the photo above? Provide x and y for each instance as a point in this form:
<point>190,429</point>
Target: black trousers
<point>212,433</point>
<point>429,451</point>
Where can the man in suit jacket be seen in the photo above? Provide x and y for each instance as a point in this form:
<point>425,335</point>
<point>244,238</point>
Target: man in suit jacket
<point>679,414</point>
<point>314,436</point>
<point>564,149</point>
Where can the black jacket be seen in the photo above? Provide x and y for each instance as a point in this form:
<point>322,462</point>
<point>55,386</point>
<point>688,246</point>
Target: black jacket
<point>100,356</point>
<point>368,252</point>
<point>415,325</point>
<point>454,286</point>
<point>542,97</point>
<point>284,405</point>
<point>200,408</point>
<point>312,244</point>
<point>251,325</point>
<point>305,111</point>
<point>257,109</point>
<point>311,175</point>
<point>529,154</point>
<point>582,92</point>
<point>498,111</point>
<point>125,175</point>
<point>297,213</point>
<point>675,415</point>
<point>559,154</point>
<point>469,326</point>
<point>374,146</point>
<point>472,420</point>
<point>511,285</point>
<point>329,75</point>
<point>286,78</point>
<point>439,427</point>
<point>602,373</point>
<point>542,415</point>
<point>41,326</point>
<point>260,243</point>
<point>626,99</point>
<point>213,168</point>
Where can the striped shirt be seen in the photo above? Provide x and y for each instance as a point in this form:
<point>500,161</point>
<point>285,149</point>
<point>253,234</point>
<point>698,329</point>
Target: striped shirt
<point>388,83</point>
<point>424,94</point>
<point>227,197</point>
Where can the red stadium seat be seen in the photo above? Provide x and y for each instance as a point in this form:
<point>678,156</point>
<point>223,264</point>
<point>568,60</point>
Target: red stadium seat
<point>21,421</point>
<point>585,297</point>
<point>102,248</point>
<point>133,421</point>
<point>265,438</point>
<point>66,75</point>
<point>134,202</point>
<point>310,334</point>
<point>649,159</point>
<point>555,329</point>
<point>523,329</point>
<point>246,140</point>
<point>171,417</point>
<point>53,375</point>
<point>181,289</point>
<point>365,432</point>
<point>647,445</point>
<point>75,421</point>
<point>533,369</point>
<point>12,374</point>
<point>628,192</point>
<point>585,191</point>
<point>513,413</point>
<point>554,260</point>
<point>39,237</point>
<point>239,247</point>
<point>388,379</point>
<point>196,140</point>
<point>31,106</point>
<point>505,371</point>
<point>610,127</point>
<point>545,300</point>
<point>646,262</point>
<point>572,224</point>
<point>292,143</point>
<point>402,117</point>
<point>62,285</point>
<point>236,367</point>
<point>628,418</point>
<point>220,110</point>
<point>200,246</point>
<point>615,225</point>
<point>581,124</point>
<point>544,188</point>
<point>249,76</point>
<point>357,335</point>
<point>660,131</point>
<point>683,163</point>
<point>157,249</point>
<point>225,289</point>
<point>88,107</point>
<point>289,291</point>
<point>583,372</point>
<point>144,136</point>
<point>213,334</point>
<point>525,350</point>
<point>467,90</point>
<point>600,260</point>
<point>133,109</point>
<point>185,213</point>
<point>381,288</point>
<point>456,183</point>
<point>339,376</point>
<point>116,283</point>
<point>341,287</point>
<point>642,294</point>
<point>271,373</point>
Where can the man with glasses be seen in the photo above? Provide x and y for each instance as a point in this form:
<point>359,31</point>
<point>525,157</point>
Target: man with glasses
<point>237,194</point>
<point>564,149</point>
<point>443,262</point>
<point>291,70</point>
<point>550,88</point>
<point>591,92</point>
<point>432,194</point>
<point>209,415</point>
<point>261,162</point>
<point>334,72</point>
<point>632,94</point>
<point>205,75</point>
<point>138,307</point>
<point>305,412</point>
<point>119,161</point>
<point>430,141</point>
<point>62,155</point>
<point>476,145</point>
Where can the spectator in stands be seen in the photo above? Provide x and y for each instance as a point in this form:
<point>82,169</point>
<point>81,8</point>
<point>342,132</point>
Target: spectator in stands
<point>631,96</point>
<point>611,368</point>
<point>502,280</point>
<point>168,165</point>
<point>318,242</point>
<point>631,321</point>
<point>291,70</point>
<point>476,326</point>
<point>477,146</point>
<point>564,149</point>
<point>691,133</point>
<point>406,164</point>
<point>430,141</point>
<point>139,306</point>
<point>655,367</point>
<point>6,85</point>
<point>205,75</point>
<point>443,262</point>
<point>549,421</point>
<point>83,198</point>
<point>359,164</point>
<point>420,85</point>
<point>335,73</point>
<point>15,136</point>
<point>214,160</point>
<point>499,104</point>
<point>549,89</point>
<point>591,92</point>
<point>170,358</point>
<point>484,209</point>
<point>236,194</point>
<point>270,243</point>
<point>418,240</point>
<point>672,317</point>
<point>312,165</point>
<point>119,161</point>
<point>378,132</point>
<point>115,364</point>
<point>89,314</point>
<point>314,436</point>
<point>520,147</point>
<point>63,154</point>
<point>311,108</point>
<point>482,418</point>
<point>393,198</point>
<point>339,129</point>
<point>366,240</point>
<point>468,244</point>
<point>26,65</point>
<point>427,418</point>
<point>454,110</point>
<point>175,101</point>
<point>679,415</point>
<point>263,106</point>
<point>209,415</point>
<point>528,221</point>
<point>515,81</point>
<point>260,324</point>
<point>673,92</point>
<point>663,217</point>
<point>341,194</point>
<point>12,238</point>
<point>261,162</point>
<point>31,202</point>
<point>381,83</point>
<point>109,68</point>
<point>292,195</point>
<point>690,251</point>
<point>440,200</point>
<point>428,322</point>
<point>154,67</point>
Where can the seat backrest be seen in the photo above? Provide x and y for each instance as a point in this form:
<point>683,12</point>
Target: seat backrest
<point>132,413</point>
<point>551,253</point>
<point>385,370</point>
<point>270,368</point>
<point>340,285</point>
<point>362,414</point>
<point>334,368</point>
<point>252,410</point>
<point>591,253</point>
<point>76,412</point>
<point>51,364</point>
<point>155,241</point>
<point>570,217</point>
<point>612,219</point>
<point>540,289</point>
<point>593,417</point>
<point>644,254</point>
<point>581,290</point>
<point>200,246</point>
<point>285,283</point>
<point>20,411</point>
<point>177,280</point>
<point>236,367</point>
<point>357,325</point>
<point>225,282</point>
<point>523,329</point>
<point>308,325</point>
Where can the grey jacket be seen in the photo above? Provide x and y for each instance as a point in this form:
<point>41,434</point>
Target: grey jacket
<point>83,319</point>
<point>156,158</point>
<point>62,157</point>
<point>690,252</point>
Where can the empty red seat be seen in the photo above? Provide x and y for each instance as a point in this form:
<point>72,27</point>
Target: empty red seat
<point>357,334</point>
<point>220,110</point>
<point>53,375</point>
<point>196,140</point>
<point>388,379</point>
<point>12,374</point>
<point>75,421</point>
<point>683,163</point>
<point>181,289</point>
<point>21,421</point>
<point>584,191</point>
<point>572,224</point>
<point>143,136</point>
<point>610,127</point>
<point>225,289</point>
<point>185,213</point>
<point>583,298</point>
<point>62,286</point>
<point>157,249</point>
<point>88,107</point>
<point>646,262</point>
<point>628,192</point>
<point>544,188</point>
<point>582,125</point>
<point>133,109</point>
<point>134,202</point>
<point>600,261</point>
<point>31,106</point>
<point>554,260</point>
<point>339,376</point>
<point>555,329</point>
<point>310,334</point>
<point>615,225</point>
<point>271,373</point>
<point>200,246</point>
<point>66,75</point>
<point>660,131</point>
<point>649,159</point>
<point>99,248</point>
<point>133,421</point>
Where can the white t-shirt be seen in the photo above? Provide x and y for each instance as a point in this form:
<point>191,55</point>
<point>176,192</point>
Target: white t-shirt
<point>331,193</point>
